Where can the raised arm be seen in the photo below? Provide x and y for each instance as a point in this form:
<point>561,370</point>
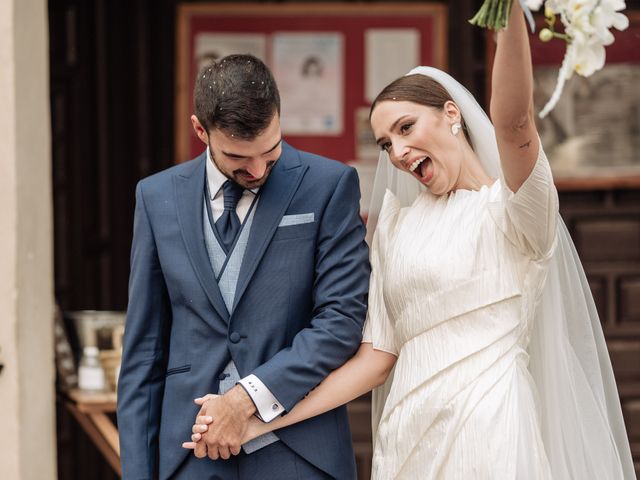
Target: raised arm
<point>512,101</point>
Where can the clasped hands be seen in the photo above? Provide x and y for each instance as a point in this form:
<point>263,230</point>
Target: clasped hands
<point>223,424</point>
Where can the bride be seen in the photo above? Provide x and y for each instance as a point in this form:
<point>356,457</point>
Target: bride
<point>478,302</point>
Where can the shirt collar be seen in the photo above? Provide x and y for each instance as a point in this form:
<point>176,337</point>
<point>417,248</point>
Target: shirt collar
<point>215,178</point>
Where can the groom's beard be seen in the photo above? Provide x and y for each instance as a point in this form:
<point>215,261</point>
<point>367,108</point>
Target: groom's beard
<point>241,176</point>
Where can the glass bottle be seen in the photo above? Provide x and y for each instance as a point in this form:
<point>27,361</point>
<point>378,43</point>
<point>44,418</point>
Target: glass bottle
<point>90,371</point>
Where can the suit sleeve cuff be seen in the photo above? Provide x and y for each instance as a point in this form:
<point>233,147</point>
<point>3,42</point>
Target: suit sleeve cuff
<point>267,405</point>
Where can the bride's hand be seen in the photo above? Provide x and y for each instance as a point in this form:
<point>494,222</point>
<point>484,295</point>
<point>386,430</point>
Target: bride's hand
<point>199,428</point>
<point>255,428</point>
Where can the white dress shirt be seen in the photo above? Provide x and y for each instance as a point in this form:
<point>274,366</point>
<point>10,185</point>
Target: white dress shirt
<point>267,405</point>
<point>215,179</point>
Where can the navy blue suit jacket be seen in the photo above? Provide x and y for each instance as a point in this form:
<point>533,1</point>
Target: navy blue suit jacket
<point>299,309</point>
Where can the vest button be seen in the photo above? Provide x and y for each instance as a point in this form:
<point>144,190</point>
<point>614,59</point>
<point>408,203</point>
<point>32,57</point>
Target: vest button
<point>234,337</point>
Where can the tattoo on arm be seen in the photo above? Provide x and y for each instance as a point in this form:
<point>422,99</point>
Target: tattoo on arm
<point>525,145</point>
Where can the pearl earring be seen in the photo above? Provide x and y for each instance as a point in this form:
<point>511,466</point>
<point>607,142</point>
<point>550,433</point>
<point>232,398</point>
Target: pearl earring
<point>455,128</point>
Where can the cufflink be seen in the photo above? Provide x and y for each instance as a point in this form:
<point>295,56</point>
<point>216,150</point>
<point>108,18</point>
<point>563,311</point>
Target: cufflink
<point>274,407</point>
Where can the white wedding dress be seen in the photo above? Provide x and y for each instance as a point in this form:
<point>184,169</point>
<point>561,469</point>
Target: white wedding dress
<point>503,371</point>
<point>453,294</point>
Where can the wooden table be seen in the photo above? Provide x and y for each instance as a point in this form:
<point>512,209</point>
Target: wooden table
<point>90,410</point>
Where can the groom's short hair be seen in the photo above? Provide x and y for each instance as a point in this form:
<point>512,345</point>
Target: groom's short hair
<point>237,95</point>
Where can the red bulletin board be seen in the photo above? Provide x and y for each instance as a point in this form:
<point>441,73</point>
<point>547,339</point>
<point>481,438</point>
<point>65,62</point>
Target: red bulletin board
<point>351,21</point>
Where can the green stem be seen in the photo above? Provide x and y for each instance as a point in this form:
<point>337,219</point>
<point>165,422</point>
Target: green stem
<point>493,14</point>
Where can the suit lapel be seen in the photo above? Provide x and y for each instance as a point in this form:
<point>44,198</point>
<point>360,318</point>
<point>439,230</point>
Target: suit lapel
<point>189,190</point>
<point>275,197</point>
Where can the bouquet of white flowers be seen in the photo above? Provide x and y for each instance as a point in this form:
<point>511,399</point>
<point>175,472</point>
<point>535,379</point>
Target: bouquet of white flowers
<point>587,25</point>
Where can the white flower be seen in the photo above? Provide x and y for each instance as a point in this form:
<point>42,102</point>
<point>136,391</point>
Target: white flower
<point>588,58</point>
<point>534,4</point>
<point>587,24</point>
<point>606,16</point>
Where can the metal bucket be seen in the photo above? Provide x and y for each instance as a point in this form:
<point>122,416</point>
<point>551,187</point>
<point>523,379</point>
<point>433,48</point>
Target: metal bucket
<point>96,327</point>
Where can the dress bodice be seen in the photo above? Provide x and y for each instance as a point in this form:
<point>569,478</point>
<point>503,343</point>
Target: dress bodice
<point>447,256</point>
<point>446,260</point>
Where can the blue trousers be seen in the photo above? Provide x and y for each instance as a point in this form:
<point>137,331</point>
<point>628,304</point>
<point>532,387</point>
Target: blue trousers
<point>273,462</point>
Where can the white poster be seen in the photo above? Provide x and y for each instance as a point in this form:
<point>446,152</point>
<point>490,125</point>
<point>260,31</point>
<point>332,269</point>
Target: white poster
<point>210,47</point>
<point>366,146</point>
<point>389,54</point>
<point>308,68</point>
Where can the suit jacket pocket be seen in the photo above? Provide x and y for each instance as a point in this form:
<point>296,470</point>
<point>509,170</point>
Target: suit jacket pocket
<point>175,370</point>
<point>297,219</point>
<point>296,231</point>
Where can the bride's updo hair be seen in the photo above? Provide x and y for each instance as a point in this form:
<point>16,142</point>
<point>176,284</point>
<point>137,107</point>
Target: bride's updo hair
<point>419,89</point>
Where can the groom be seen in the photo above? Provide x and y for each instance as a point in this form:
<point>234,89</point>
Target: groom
<point>249,276</point>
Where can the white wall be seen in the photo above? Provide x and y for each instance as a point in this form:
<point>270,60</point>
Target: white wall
<point>27,402</point>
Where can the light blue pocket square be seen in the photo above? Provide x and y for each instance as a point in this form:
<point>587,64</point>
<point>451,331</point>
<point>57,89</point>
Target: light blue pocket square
<point>299,219</point>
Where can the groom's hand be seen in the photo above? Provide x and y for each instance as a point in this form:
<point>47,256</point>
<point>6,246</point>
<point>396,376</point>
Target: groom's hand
<point>231,413</point>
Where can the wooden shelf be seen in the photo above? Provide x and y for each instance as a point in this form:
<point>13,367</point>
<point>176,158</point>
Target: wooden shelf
<point>567,184</point>
<point>89,402</point>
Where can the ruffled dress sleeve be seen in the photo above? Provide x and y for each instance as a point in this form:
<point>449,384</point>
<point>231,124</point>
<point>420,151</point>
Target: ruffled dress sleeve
<point>529,216</point>
<point>378,327</point>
